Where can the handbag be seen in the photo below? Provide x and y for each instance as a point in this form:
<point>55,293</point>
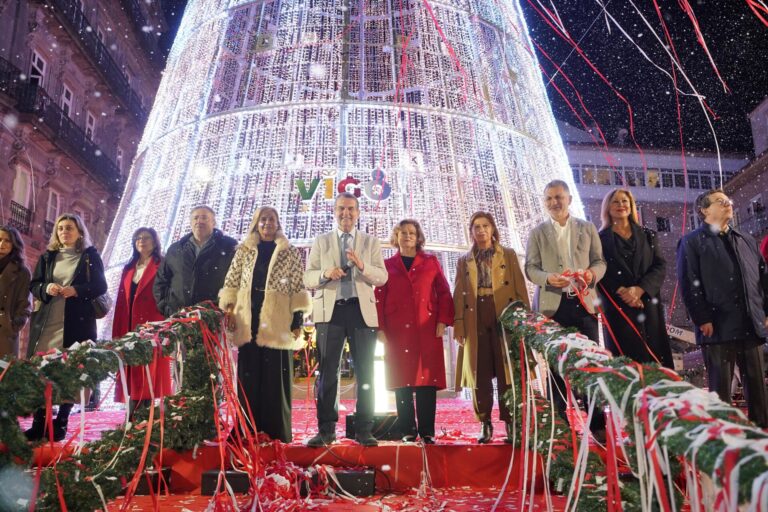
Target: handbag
<point>101,304</point>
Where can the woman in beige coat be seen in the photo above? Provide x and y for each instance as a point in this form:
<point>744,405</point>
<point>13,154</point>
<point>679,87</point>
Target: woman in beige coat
<point>15,306</point>
<point>264,299</point>
<point>488,279</point>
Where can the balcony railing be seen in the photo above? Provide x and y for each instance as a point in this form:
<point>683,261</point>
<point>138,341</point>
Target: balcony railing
<point>147,39</point>
<point>21,217</point>
<point>69,12</point>
<point>757,225</point>
<point>31,99</point>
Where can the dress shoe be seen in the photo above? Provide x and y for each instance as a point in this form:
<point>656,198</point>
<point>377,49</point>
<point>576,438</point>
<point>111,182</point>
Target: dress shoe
<point>486,432</point>
<point>410,438</point>
<point>321,439</point>
<point>510,439</point>
<point>366,439</point>
<point>428,439</point>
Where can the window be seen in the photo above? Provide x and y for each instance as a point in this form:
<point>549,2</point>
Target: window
<point>618,178</point>
<point>653,178</point>
<point>706,182</point>
<point>576,174</point>
<point>90,126</point>
<point>66,100</point>
<point>693,180</point>
<point>53,206</point>
<point>662,225</point>
<point>22,187</point>
<point>693,221</point>
<point>679,178</point>
<point>635,178</point>
<point>666,179</point>
<point>596,176</point>
<point>37,69</point>
<point>119,158</point>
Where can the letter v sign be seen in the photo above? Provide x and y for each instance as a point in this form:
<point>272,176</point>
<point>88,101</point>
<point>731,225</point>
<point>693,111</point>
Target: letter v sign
<point>305,194</point>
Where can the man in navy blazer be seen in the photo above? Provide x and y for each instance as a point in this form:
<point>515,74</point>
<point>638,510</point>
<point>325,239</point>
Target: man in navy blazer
<point>343,268</point>
<point>724,284</point>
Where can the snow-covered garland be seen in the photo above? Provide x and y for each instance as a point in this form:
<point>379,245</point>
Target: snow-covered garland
<point>675,438</point>
<point>98,471</point>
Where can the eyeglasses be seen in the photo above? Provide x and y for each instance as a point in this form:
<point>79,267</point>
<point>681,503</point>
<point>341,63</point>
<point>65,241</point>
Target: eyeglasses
<point>143,238</point>
<point>724,202</point>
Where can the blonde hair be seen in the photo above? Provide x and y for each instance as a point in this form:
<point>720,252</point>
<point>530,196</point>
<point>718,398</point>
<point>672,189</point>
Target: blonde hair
<point>421,240</point>
<point>82,243</point>
<point>605,209</point>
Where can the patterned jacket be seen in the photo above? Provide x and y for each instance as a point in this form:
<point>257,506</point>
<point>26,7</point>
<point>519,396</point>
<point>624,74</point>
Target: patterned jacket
<point>284,295</point>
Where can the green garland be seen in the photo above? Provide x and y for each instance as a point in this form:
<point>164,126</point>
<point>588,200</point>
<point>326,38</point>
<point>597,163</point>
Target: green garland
<point>586,366</point>
<point>106,466</point>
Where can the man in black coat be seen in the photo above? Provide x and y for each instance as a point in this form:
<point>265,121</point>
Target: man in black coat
<point>194,268</point>
<point>724,285</point>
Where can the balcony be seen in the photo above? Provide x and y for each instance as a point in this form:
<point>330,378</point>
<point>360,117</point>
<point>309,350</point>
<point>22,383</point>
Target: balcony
<point>147,40</point>
<point>32,99</point>
<point>757,225</point>
<point>21,217</point>
<point>68,11</point>
<point>48,228</point>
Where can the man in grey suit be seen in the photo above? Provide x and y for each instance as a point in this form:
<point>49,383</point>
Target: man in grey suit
<point>344,266</point>
<point>556,246</point>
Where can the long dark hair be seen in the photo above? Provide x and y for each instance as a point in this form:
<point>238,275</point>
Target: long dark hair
<point>17,253</point>
<point>156,254</point>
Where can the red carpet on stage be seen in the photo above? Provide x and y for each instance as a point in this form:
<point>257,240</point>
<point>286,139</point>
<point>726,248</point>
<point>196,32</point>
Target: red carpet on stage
<point>463,474</point>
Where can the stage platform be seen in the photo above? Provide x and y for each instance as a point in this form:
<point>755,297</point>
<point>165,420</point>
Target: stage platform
<point>465,475</point>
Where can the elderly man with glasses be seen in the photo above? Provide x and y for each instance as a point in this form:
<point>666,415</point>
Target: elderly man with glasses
<point>724,285</point>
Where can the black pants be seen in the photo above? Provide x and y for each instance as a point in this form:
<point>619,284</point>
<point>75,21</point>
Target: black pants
<point>266,380</point>
<point>490,363</point>
<point>720,359</point>
<point>426,403</point>
<point>347,324</point>
<point>571,313</point>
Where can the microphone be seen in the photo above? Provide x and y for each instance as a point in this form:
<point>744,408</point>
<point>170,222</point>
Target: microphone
<point>345,268</point>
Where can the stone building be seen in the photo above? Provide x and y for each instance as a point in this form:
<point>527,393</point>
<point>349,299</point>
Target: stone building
<point>749,188</point>
<point>664,193</point>
<point>77,78</point>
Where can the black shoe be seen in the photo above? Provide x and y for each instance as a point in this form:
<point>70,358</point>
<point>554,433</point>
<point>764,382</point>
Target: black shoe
<point>366,439</point>
<point>410,438</point>
<point>321,439</point>
<point>428,439</point>
<point>510,439</point>
<point>37,430</point>
<point>486,432</point>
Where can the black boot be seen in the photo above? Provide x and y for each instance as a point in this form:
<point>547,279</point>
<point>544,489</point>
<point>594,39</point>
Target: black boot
<point>37,430</point>
<point>486,432</point>
<point>61,422</point>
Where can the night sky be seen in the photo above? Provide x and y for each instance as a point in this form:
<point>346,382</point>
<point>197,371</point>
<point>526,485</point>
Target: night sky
<point>737,40</point>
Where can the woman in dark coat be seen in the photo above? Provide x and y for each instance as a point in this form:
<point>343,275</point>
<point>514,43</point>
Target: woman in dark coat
<point>135,305</point>
<point>15,306</point>
<point>265,300</point>
<point>67,278</point>
<point>414,306</point>
<point>632,284</point>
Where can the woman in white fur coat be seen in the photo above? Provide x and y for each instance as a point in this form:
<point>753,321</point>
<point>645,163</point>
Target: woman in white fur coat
<point>264,299</point>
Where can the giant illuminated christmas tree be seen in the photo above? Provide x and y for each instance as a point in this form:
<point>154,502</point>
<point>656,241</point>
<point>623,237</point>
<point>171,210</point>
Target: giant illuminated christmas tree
<point>429,110</point>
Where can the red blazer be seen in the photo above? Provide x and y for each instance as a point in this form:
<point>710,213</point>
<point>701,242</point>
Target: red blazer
<point>410,305</point>
<point>144,310</point>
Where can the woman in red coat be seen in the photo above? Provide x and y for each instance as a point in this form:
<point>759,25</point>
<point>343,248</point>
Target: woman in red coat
<point>134,306</point>
<point>414,306</point>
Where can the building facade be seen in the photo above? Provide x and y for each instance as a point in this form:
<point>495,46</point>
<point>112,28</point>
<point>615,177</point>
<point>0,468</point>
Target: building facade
<point>77,78</point>
<point>664,192</point>
<point>749,188</point>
